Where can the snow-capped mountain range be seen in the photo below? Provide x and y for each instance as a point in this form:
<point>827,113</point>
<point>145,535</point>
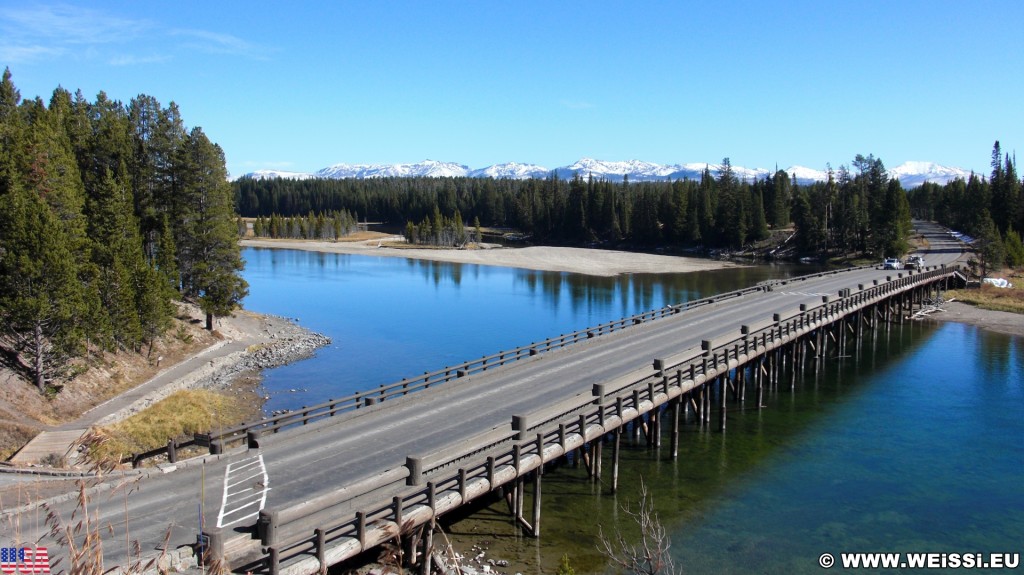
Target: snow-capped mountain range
<point>910,174</point>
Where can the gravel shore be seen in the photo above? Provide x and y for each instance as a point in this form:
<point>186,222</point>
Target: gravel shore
<point>998,321</point>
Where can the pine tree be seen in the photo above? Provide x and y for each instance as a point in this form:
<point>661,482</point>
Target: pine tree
<point>209,256</point>
<point>990,245</point>
<point>166,259</point>
<point>117,253</point>
<point>1014,249</point>
<point>40,295</point>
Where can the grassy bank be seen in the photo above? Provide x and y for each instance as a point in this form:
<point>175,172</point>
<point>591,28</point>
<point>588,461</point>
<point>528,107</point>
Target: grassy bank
<point>182,413</point>
<point>993,298</point>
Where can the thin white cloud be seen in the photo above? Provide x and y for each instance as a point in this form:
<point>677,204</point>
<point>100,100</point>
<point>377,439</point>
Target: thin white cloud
<point>217,43</point>
<point>132,60</point>
<point>18,53</point>
<point>46,32</point>
<point>69,25</point>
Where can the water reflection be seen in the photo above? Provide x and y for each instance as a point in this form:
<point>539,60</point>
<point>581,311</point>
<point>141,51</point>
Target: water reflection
<point>394,317</point>
<point>921,450</point>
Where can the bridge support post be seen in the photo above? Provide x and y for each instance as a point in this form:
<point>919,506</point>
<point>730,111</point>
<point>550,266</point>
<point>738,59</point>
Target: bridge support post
<point>701,408</point>
<point>677,405</point>
<point>398,505</point>
<point>709,390</point>
<point>741,374</point>
<point>722,391</point>
<point>653,429</point>
<point>213,554</point>
<point>273,562</point>
<point>759,375</point>
<point>428,548</point>
<point>794,351</point>
<point>520,497</point>
<point>321,548</point>
<point>537,473</point>
<point>615,458</point>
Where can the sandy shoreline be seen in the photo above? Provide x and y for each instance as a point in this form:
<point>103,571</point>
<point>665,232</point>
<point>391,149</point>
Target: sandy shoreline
<point>997,321</point>
<point>541,258</point>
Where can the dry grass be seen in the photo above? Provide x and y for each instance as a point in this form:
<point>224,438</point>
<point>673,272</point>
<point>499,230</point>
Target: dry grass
<point>24,411</point>
<point>993,298</point>
<point>184,412</point>
<point>13,436</point>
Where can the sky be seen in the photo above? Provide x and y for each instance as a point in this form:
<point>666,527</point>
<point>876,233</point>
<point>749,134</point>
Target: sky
<point>300,85</point>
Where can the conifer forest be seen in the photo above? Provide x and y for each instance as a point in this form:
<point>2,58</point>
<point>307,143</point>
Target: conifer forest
<point>860,211</point>
<point>110,212</point>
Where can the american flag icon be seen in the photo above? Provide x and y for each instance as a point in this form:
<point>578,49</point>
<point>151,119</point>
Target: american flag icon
<point>24,560</point>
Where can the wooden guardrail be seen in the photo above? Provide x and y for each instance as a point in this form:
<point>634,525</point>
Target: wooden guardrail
<point>217,441</point>
<point>379,507</point>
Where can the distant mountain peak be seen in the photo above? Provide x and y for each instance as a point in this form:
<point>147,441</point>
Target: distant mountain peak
<point>910,174</point>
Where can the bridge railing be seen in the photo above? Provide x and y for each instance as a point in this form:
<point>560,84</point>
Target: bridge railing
<point>357,517</point>
<point>785,281</point>
<point>220,439</point>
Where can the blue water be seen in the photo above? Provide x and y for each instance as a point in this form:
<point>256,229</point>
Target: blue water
<point>390,318</point>
<point>916,444</point>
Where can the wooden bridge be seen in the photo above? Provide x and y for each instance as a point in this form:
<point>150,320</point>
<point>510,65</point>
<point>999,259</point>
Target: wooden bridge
<point>308,489</point>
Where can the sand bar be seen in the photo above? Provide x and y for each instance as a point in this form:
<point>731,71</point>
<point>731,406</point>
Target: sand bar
<point>541,258</point>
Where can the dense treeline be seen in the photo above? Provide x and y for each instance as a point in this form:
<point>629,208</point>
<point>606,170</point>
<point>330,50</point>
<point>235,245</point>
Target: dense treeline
<point>861,214</point>
<point>991,211</point>
<point>714,212</point>
<point>109,211</point>
<point>858,212</point>
<point>866,212</point>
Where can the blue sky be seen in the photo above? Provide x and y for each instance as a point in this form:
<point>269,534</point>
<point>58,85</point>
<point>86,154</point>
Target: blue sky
<point>302,85</point>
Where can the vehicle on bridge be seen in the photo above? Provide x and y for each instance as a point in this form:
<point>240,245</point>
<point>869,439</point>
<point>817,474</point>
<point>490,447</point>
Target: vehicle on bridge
<point>914,262</point>
<point>892,264</point>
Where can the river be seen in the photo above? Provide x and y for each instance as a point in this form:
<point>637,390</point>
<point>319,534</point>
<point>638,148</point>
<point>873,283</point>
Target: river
<point>917,445</point>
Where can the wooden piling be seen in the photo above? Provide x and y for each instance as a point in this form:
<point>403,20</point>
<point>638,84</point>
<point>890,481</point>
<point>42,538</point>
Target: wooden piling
<point>615,458</point>
<point>677,405</point>
<point>721,402</point>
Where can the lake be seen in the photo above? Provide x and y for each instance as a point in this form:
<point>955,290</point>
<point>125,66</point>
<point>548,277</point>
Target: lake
<point>917,445</point>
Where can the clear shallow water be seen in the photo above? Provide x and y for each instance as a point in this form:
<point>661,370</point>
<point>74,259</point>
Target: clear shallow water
<point>916,446</point>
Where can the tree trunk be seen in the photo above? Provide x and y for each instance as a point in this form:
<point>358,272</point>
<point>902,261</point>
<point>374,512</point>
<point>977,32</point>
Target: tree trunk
<point>209,321</point>
<point>40,347</point>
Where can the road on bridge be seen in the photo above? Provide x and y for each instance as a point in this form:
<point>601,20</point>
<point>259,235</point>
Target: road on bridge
<point>299,464</point>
